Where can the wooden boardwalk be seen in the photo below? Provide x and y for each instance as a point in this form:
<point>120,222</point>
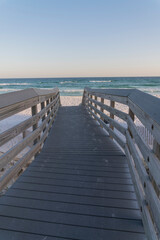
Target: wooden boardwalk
<point>78,187</point>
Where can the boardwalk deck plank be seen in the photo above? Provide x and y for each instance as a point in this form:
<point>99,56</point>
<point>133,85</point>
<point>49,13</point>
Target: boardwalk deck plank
<point>78,187</point>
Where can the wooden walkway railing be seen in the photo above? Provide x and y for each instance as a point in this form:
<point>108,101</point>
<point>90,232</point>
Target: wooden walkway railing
<point>143,159</point>
<point>41,121</point>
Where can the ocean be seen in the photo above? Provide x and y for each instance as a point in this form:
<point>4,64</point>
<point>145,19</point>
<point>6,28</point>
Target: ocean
<point>75,86</point>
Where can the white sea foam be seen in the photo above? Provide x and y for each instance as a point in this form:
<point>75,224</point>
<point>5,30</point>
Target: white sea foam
<point>8,90</point>
<point>151,91</point>
<point>13,84</point>
<point>100,81</point>
<point>66,82</point>
<point>72,90</point>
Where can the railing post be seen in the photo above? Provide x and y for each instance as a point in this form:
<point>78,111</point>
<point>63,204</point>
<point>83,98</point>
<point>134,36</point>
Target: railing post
<point>112,104</point>
<point>51,99</point>
<point>42,107</point>
<point>131,114</point>
<point>24,134</point>
<point>48,112</point>
<point>95,105</point>
<point>87,102</point>
<point>59,100</point>
<point>47,102</point>
<point>102,110</point>
<point>91,101</point>
<point>84,98</point>
<point>102,101</point>
<point>35,126</point>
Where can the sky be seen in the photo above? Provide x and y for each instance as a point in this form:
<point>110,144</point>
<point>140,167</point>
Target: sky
<point>79,38</point>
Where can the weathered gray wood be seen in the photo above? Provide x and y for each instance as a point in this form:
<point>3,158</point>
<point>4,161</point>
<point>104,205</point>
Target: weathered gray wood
<point>13,171</point>
<point>14,102</point>
<point>112,104</point>
<point>5,179</point>
<point>18,107</point>
<point>42,107</point>
<point>73,202</point>
<point>83,98</point>
<point>35,126</point>
<point>12,98</point>
<point>114,111</point>
<point>149,104</point>
<point>151,160</point>
<point>108,129</point>
<point>131,114</point>
<point>148,121</point>
<point>156,150</point>
<point>117,95</point>
<point>143,105</point>
<point>95,104</point>
<point>148,224</point>
<point>19,128</point>
<point>10,154</point>
<point>102,110</point>
<point>145,108</point>
<point>110,120</point>
<point>150,194</point>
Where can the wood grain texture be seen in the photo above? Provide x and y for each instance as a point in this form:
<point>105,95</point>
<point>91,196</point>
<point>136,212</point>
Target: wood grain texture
<point>144,162</point>
<point>19,128</point>
<point>14,102</point>
<point>78,187</point>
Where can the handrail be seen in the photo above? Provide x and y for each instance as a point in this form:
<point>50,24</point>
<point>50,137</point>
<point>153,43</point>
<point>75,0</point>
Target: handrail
<point>143,160</point>
<point>40,121</point>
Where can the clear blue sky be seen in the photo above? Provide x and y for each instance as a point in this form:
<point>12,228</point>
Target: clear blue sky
<point>66,38</point>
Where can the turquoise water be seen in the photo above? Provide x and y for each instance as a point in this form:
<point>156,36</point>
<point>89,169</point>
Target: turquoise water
<point>75,86</point>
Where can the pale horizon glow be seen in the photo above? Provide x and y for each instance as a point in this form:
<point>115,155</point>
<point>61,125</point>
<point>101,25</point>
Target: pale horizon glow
<point>68,38</point>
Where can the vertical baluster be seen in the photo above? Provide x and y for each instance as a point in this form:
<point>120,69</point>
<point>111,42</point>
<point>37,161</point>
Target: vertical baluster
<point>48,112</point>
<point>87,102</point>
<point>102,110</point>
<point>42,107</point>
<point>91,103</point>
<point>24,134</point>
<point>84,98</point>
<point>95,105</point>
<point>112,104</point>
<point>51,99</point>
<point>35,126</point>
<point>131,114</point>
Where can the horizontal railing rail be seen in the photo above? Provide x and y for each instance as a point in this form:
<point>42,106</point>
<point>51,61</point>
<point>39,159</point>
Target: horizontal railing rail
<point>44,105</point>
<point>143,157</point>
